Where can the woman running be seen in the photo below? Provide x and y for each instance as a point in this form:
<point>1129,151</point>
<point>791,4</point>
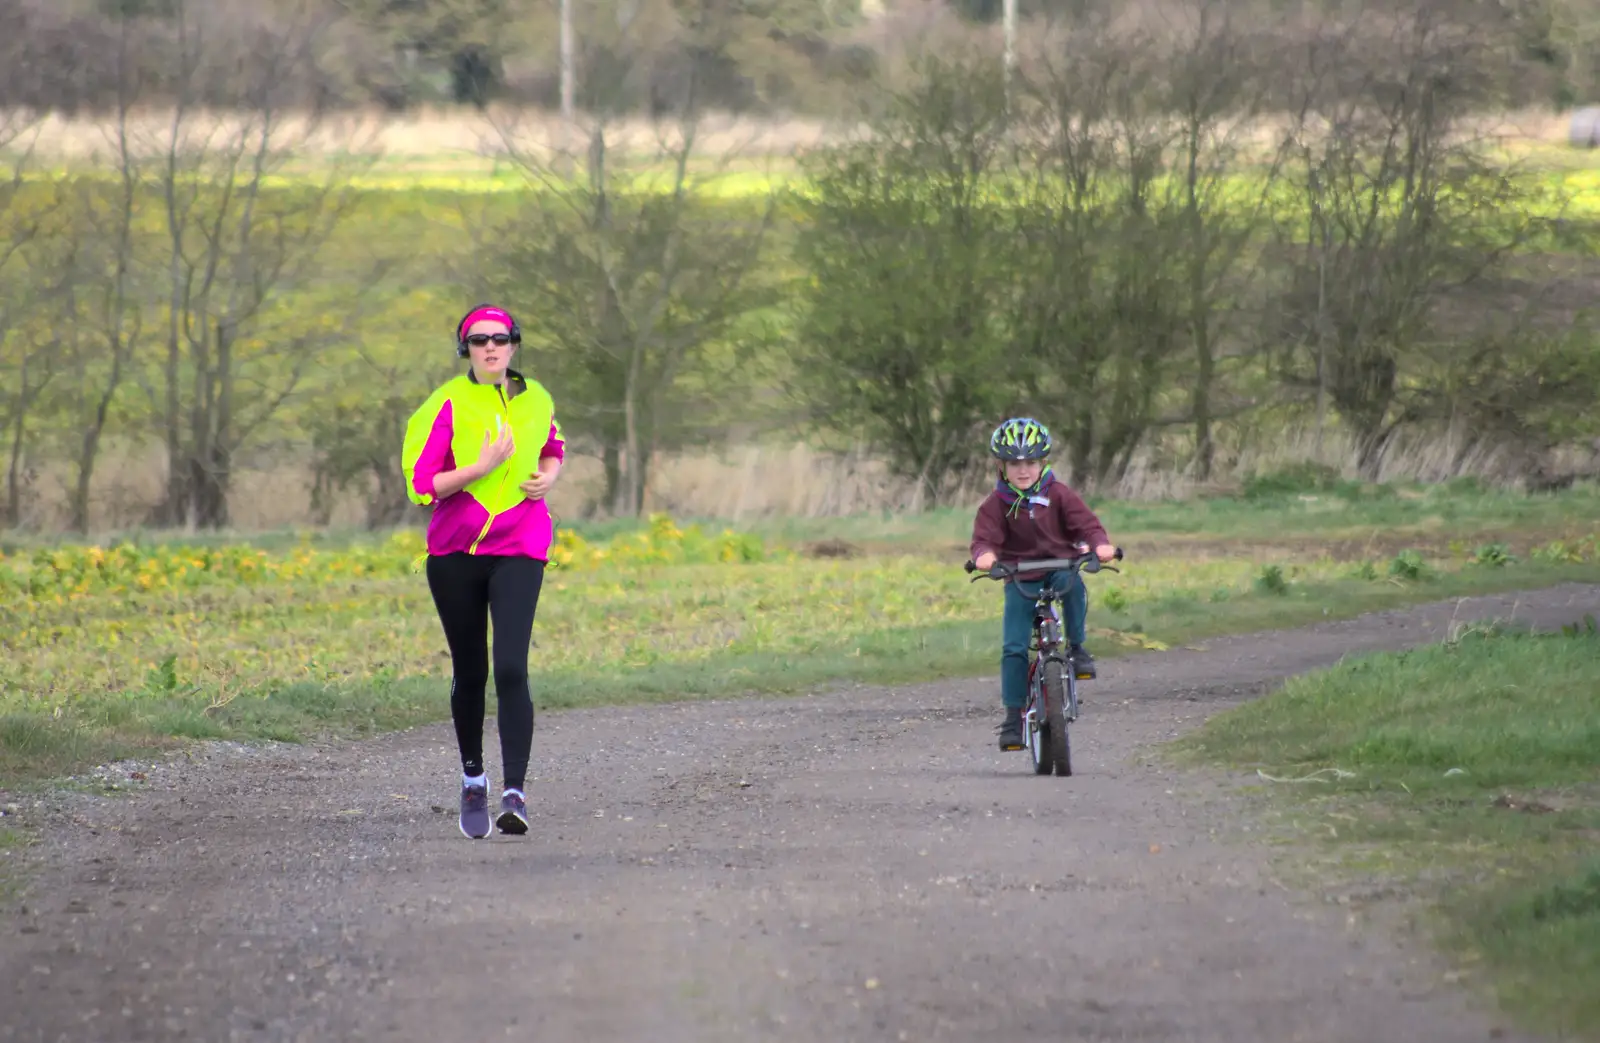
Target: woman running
<point>483,451</point>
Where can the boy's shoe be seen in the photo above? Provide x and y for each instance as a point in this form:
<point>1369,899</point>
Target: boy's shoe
<point>1082,663</point>
<point>1011,729</point>
<point>475,811</point>
<point>513,815</point>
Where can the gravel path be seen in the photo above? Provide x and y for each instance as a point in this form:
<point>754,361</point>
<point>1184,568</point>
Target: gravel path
<point>853,865</point>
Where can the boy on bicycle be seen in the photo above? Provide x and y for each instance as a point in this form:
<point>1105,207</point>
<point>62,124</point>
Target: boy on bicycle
<point>1032,515</point>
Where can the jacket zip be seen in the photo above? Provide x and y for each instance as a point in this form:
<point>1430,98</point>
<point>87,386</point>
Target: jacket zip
<point>505,409</point>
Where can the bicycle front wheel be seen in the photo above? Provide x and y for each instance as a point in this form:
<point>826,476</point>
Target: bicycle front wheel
<point>1037,736</point>
<point>1055,698</point>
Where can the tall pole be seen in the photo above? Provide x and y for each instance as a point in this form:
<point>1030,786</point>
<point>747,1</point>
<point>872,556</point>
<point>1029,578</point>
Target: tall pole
<point>566,58</point>
<point>1009,18</point>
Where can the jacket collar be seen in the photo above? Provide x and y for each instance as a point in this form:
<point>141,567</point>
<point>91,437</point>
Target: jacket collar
<point>1036,495</point>
<point>1038,492</point>
<point>515,383</point>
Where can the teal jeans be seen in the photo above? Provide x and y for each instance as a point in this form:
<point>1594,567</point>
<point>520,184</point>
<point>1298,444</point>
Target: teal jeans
<point>1016,629</point>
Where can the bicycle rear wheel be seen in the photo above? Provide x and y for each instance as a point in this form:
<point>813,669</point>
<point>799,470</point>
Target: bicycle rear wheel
<point>1055,697</point>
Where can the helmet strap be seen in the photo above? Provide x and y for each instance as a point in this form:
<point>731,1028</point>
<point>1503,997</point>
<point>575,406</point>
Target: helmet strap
<point>1030,490</point>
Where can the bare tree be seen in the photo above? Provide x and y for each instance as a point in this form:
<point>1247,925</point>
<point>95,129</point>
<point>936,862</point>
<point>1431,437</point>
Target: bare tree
<point>1214,89</point>
<point>107,302</point>
<point>639,266</point>
<point>357,421</point>
<point>910,261</point>
<point>1522,391</point>
<point>1393,205</point>
<point>29,361</point>
<point>1097,292</point>
<point>464,39</point>
<point>31,277</point>
<point>237,246</point>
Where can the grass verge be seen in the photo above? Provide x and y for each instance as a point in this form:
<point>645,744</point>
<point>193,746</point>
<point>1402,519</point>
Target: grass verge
<point>1473,781</point>
<point>101,676</point>
<point>1350,520</point>
<point>12,841</point>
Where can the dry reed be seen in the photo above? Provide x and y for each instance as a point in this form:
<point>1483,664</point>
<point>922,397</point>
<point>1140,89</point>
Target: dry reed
<point>468,137</point>
<point>464,134</point>
<point>753,482</point>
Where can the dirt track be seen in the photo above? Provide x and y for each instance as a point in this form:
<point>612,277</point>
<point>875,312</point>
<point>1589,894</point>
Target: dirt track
<point>856,865</point>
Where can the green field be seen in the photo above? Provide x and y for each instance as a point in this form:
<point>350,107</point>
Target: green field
<point>1306,516</point>
<point>1560,171</point>
<point>120,648</point>
<point>1472,778</point>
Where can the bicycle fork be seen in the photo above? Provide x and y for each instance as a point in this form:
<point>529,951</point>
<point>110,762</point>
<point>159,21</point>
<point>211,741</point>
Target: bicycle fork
<point>1047,642</point>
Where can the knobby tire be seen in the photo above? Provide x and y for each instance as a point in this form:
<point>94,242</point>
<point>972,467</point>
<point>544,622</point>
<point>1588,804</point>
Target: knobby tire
<point>1055,694</point>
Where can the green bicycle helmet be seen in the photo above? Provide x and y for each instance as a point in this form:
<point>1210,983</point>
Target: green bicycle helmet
<point>1020,438</point>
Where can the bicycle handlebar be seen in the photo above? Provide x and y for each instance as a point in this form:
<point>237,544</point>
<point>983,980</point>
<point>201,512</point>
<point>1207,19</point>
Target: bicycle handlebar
<point>1083,563</point>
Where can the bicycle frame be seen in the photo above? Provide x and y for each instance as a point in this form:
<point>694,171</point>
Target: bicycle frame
<point>1048,643</point>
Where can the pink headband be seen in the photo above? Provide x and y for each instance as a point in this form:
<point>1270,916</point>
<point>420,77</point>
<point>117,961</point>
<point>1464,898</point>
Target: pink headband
<point>481,314</point>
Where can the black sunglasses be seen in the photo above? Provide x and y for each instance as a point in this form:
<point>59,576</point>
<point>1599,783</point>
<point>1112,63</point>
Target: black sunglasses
<point>478,340</point>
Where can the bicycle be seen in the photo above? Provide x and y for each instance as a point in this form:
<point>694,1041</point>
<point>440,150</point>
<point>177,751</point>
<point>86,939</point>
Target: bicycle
<point>1052,682</point>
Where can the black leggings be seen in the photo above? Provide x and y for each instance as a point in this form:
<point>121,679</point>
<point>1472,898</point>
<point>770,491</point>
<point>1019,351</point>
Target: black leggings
<point>469,590</point>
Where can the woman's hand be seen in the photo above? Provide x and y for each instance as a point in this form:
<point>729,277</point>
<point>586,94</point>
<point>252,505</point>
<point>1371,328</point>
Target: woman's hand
<point>535,488</point>
<point>497,449</point>
<point>985,561</point>
<point>1105,552</point>
<point>543,479</point>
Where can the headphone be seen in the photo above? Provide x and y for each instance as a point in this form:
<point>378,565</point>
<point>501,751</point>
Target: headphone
<point>461,328</point>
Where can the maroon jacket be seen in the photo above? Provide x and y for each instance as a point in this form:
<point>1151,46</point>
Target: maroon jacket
<point>1052,528</point>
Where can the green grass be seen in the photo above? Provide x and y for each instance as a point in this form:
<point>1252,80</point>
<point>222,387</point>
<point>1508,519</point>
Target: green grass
<point>296,634</point>
<point>1544,939</point>
<point>1475,781</point>
<point>345,641</point>
<point>1350,521</point>
<point>284,539</point>
<point>1350,513</point>
<point>12,841</point>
